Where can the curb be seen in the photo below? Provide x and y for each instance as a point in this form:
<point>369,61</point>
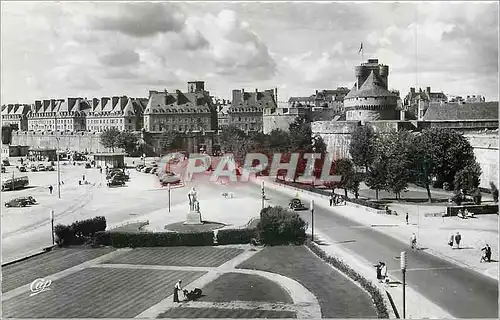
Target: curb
<point>45,250</point>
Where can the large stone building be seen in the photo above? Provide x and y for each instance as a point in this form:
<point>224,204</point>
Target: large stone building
<point>16,116</point>
<point>416,103</point>
<point>122,113</point>
<point>325,99</point>
<point>189,111</point>
<point>58,115</point>
<point>369,98</point>
<point>477,121</point>
<point>247,108</point>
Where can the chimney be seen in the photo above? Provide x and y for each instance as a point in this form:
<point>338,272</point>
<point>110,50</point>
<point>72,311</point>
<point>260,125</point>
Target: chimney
<point>316,92</point>
<point>115,100</point>
<point>276,95</point>
<point>38,105</point>
<point>103,101</point>
<point>95,102</point>
<point>428,89</point>
<point>256,95</point>
<point>412,90</point>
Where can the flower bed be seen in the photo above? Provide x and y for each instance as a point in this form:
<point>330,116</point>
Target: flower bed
<point>374,292</point>
<point>153,239</point>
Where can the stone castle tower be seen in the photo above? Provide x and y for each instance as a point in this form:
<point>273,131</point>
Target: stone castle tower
<point>369,98</point>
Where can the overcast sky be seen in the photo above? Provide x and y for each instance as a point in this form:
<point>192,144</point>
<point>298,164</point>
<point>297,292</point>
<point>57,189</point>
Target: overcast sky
<point>56,50</point>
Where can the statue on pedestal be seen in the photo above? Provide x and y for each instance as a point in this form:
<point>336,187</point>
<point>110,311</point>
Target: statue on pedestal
<point>194,205</point>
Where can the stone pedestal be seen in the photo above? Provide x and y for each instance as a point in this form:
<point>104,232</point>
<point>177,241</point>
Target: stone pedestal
<point>193,217</point>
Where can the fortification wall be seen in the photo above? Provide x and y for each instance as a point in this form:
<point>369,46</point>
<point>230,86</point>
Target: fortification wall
<point>337,136</point>
<point>78,141</point>
<point>272,122</point>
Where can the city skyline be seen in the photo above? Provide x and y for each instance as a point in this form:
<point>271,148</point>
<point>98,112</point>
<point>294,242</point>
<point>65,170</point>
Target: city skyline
<point>52,50</point>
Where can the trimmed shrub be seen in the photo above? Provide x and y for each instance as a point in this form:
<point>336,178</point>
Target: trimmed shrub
<point>458,198</point>
<point>63,235</point>
<point>154,239</point>
<point>79,232</point>
<point>279,226</point>
<point>235,236</point>
<point>374,292</point>
<point>365,203</point>
<point>477,196</point>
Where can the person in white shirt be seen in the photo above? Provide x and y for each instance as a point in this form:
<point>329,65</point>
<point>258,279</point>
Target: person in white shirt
<point>177,289</point>
<point>383,272</point>
<point>413,241</point>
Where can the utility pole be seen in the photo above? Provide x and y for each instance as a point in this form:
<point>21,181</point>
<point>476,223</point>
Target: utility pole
<point>52,225</point>
<point>403,269</point>
<point>312,220</point>
<point>168,186</point>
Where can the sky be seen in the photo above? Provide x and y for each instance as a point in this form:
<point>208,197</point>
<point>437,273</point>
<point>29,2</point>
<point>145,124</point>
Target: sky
<point>96,49</point>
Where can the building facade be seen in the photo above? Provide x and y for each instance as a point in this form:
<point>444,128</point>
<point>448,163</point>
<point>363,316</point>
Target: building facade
<point>369,98</point>
<point>246,111</point>
<point>58,115</point>
<point>16,116</point>
<point>123,113</point>
<point>183,112</point>
<point>325,99</point>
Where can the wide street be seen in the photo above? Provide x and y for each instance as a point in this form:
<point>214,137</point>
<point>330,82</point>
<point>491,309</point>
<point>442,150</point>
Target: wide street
<point>462,292</point>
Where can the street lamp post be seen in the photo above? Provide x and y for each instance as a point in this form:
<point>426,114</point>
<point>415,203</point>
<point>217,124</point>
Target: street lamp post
<point>58,170</point>
<point>312,220</point>
<point>52,225</point>
<point>168,187</point>
<point>403,270</point>
<point>263,195</point>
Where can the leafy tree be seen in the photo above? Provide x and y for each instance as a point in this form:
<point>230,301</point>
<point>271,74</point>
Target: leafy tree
<point>396,150</point>
<point>494,191</point>
<point>279,141</point>
<point>354,182</point>
<point>363,147</point>
<point>230,137</point>
<point>468,178</point>
<point>375,177</point>
<point>279,226</point>
<point>109,138</point>
<point>170,140</point>
<point>344,168</point>
<point>440,153</point>
<point>127,141</point>
<point>300,132</point>
<point>7,134</point>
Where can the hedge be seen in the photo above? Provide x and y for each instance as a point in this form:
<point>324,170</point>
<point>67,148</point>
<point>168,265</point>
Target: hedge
<point>374,292</point>
<point>154,239</point>
<point>79,232</point>
<point>365,203</point>
<point>236,236</point>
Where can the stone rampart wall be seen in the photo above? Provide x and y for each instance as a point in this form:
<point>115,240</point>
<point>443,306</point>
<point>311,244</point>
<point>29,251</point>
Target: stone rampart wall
<point>78,141</point>
<point>272,122</point>
<point>337,136</point>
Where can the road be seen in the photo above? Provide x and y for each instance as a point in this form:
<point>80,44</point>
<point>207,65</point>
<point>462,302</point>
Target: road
<point>462,292</point>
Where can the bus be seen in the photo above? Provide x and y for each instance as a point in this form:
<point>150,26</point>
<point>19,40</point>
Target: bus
<point>15,183</point>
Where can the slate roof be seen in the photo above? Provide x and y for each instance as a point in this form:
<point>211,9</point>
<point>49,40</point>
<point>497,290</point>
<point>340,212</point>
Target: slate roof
<point>370,89</point>
<point>468,111</point>
<point>17,109</point>
<point>192,102</point>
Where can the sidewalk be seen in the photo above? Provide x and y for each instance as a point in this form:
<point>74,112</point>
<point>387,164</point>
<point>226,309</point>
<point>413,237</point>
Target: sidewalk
<point>417,306</point>
<point>432,232</point>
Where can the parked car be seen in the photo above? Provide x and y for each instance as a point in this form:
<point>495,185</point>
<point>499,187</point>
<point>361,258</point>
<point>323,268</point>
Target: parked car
<point>5,162</point>
<point>3,169</point>
<point>41,167</point>
<point>116,181</point>
<point>87,165</point>
<point>154,170</point>
<point>16,183</point>
<point>296,204</point>
<point>29,199</point>
<point>22,169</point>
<point>139,167</point>
<point>50,168</point>
<point>34,168</point>
<point>16,202</point>
<point>169,177</point>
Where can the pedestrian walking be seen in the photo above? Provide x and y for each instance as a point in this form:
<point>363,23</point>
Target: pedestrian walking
<point>50,189</point>
<point>458,238</point>
<point>383,273</point>
<point>331,199</point>
<point>379,271</point>
<point>177,288</point>
<point>100,170</point>
<point>486,254</point>
<point>450,242</point>
<point>413,241</point>
<point>83,177</point>
<point>406,218</point>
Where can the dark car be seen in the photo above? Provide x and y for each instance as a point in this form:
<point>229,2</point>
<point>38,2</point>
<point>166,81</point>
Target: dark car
<point>139,167</point>
<point>148,169</point>
<point>296,204</point>
<point>17,202</point>
<point>3,169</point>
<point>112,172</point>
<point>88,166</point>
<point>22,169</point>
<point>34,168</point>
<point>154,171</point>
<point>116,181</point>
<point>29,199</point>
<point>169,178</point>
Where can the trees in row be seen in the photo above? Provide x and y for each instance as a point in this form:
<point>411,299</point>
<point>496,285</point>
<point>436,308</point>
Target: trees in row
<point>113,138</point>
<point>439,157</point>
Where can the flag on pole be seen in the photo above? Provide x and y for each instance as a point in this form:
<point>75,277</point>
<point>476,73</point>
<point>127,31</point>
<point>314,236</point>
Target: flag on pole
<point>360,48</point>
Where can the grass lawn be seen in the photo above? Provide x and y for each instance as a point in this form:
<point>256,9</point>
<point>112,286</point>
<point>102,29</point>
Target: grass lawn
<point>338,296</point>
<point>99,293</point>
<point>190,313</point>
<point>177,256</point>
<point>131,227</point>
<point>183,228</point>
<point>244,287</point>
<point>24,272</point>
